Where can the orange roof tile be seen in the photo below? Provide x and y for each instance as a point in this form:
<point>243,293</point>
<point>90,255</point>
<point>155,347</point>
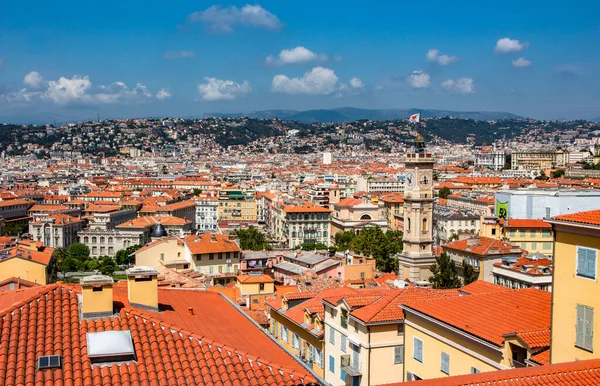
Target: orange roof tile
<point>581,373</point>
<point>483,246</point>
<point>526,223</point>
<point>591,217</point>
<point>210,243</point>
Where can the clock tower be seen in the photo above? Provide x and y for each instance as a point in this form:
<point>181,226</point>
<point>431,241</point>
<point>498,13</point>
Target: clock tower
<point>417,255</point>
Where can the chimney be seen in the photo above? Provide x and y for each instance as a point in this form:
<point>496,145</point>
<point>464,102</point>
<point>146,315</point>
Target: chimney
<point>191,311</point>
<point>97,295</point>
<point>142,287</point>
<point>213,238</point>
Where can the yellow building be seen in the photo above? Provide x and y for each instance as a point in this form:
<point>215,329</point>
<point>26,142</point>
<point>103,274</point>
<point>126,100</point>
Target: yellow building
<point>31,262</point>
<point>393,209</point>
<point>487,328</point>
<point>237,205</point>
<point>253,285</point>
<point>530,235</point>
<point>576,291</point>
<point>168,251</point>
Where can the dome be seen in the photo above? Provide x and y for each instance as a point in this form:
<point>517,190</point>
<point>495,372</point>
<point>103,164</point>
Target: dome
<point>159,231</point>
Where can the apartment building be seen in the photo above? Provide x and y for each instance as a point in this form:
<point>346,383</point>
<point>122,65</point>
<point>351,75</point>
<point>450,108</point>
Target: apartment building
<point>524,272</point>
<point>538,159</point>
<point>488,328</point>
<point>237,205</point>
<point>393,210</point>
<point>213,255</point>
<point>575,299</point>
<point>56,231</point>
<point>206,213</point>
<point>305,223</point>
<point>353,214</point>
<point>28,260</point>
<point>534,236</point>
<point>481,253</point>
<point>15,210</point>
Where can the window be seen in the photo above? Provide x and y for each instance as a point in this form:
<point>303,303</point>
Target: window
<point>317,357</point>
<point>331,335</point>
<point>295,341</point>
<point>211,256</point>
<point>585,328</point>
<point>418,349</point>
<point>284,334</point>
<point>534,246</point>
<point>523,245</point>
<point>343,343</point>
<point>362,275</point>
<point>586,262</point>
<point>344,319</point>
<point>522,233</point>
<point>343,375</point>
<point>445,363</point>
<point>475,370</point>
<point>332,364</point>
<point>424,225</point>
<point>533,233</point>
<point>494,232</point>
<point>512,233</point>
<point>261,286</point>
<point>401,329</point>
<point>48,362</point>
<point>398,355</point>
<point>162,257</point>
<point>546,246</point>
<point>545,233</point>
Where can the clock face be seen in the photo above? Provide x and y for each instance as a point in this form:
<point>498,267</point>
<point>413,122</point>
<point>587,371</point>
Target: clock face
<point>410,179</point>
<point>425,180</point>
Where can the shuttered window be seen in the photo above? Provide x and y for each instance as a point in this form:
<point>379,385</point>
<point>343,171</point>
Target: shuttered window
<point>418,349</point>
<point>343,343</point>
<point>332,364</point>
<point>331,335</point>
<point>585,328</point>
<point>445,363</point>
<point>398,355</point>
<point>586,262</point>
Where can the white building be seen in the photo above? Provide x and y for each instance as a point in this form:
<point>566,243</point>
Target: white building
<point>327,158</point>
<point>369,184</point>
<point>544,203</point>
<point>494,160</point>
<point>206,213</point>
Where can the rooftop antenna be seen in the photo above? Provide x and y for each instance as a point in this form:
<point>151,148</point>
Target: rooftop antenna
<point>98,117</point>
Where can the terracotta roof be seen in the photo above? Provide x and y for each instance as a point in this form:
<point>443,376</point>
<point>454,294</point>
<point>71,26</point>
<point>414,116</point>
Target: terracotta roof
<point>248,279</point>
<point>147,221</point>
<point>483,287</point>
<point>167,353</point>
<point>581,373</point>
<point>490,316</point>
<point>591,217</point>
<point>210,243</point>
<point>542,358</point>
<point>535,339</point>
<point>483,246</point>
<point>306,207</point>
<point>526,223</point>
<point>41,256</point>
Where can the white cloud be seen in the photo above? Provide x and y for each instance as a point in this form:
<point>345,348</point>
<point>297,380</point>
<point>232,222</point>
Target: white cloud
<point>222,20</point>
<point>419,79</point>
<point>178,55</point>
<point>459,86</point>
<point>521,62</point>
<point>33,80</point>
<point>216,89</point>
<point>77,89</point>
<point>163,94</point>
<point>295,55</point>
<point>433,55</point>
<point>356,83</point>
<point>318,81</point>
<point>509,46</point>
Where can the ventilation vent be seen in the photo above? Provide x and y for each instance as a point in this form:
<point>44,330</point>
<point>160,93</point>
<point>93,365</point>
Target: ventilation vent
<point>49,362</point>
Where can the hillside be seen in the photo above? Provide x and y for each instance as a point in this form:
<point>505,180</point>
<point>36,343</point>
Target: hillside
<point>350,114</point>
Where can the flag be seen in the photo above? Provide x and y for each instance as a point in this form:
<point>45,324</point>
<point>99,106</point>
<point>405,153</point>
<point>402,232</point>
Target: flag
<point>415,118</point>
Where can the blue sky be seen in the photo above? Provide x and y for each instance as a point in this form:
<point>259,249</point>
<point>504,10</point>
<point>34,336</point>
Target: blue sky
<point>71,60</point>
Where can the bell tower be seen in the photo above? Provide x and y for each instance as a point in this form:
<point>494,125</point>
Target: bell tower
<point>417,255</point>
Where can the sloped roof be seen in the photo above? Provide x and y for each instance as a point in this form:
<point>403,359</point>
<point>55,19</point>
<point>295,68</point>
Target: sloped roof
<point>591,217</point>
<point>167,353</point>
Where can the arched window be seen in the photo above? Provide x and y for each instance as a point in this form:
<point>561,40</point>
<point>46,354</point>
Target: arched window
<point>110,240</point>
<point>101,239</point>
<point>366,216</point>
<point>424,224</point>
<point>94,240</point>
<point>86,240</point>
<point>408,224</point>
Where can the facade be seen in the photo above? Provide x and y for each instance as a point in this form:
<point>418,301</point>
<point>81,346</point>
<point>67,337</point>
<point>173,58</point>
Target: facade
<point>524,272</point>
<point>493,160</point>
<point>370,185</point>
<point>15,210</point>
<point>207,213</point>
<point>576,304</point>
<point>30,261</point>
<point>534,236</point>
<point>393,210</point>
<point>417,255</point>
<point>481,253</point>
<point>103,237</point>
<point>544,203</point>
<point>486,329</point>
<point>213,255</point>
<point>56,231</point>
<point>450,223</point>
<point>537,159</point>
<point>353,214</point>
<point>167,251</point>
<point>305,224</point>
<point>237,205</point>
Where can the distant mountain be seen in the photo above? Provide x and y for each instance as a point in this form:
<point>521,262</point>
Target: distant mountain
<point>349,114</point>
<point>597,119</point>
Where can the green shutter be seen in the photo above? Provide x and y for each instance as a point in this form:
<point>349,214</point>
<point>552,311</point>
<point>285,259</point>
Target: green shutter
<point>581,261</point>
<point>580,326</point>
<point>591,263</point>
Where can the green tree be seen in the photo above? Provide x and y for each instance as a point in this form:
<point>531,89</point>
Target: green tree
<point>197,191</point>
<point>78,251</point>
<point>453,237</point>
<point>444,273</point>
<point>13,229</point>
<point>542,176</point>
<point>107,265</point>
<point>312,246</point>
<point>122,256</point>
<point>252,239</point>
<point>469,273</point>
<point>343,240</point>
<point>371,241</point>
<point>57,263</point>
<point>558,173</point>
<point>444,192</point>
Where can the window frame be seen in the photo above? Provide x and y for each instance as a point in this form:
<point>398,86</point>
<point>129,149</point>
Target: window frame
<point>584,276</point>
<point>587,339</point>
<point>399,355</point>
<point>447,357</point>
<point>415,339</point>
